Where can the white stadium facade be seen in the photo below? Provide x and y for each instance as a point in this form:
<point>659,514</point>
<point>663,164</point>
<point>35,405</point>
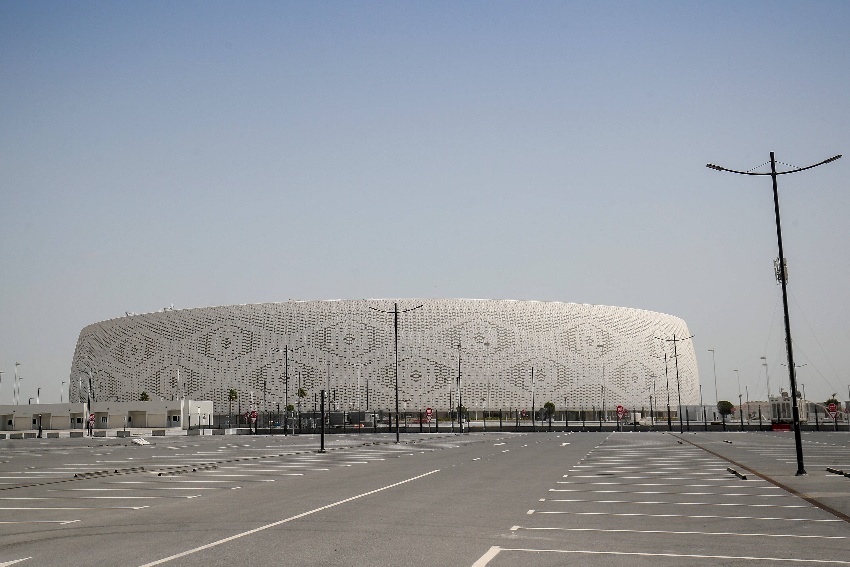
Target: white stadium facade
<point>583,357</point>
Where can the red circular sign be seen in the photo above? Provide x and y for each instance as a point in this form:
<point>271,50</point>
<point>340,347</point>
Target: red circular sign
<point>832,407</point>
<point>428,411</point>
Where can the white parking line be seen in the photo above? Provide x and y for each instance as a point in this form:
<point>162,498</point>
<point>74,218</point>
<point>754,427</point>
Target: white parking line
<point>495,550</point>
<point>515,528</point>
<point>697,517</point>
<point>687,503</point>
<point>736,486</point>
<point>79,508</point>
<point>594,490</point>
<point>92,497</point>
<point>285,520</point>
<point>40,522</point>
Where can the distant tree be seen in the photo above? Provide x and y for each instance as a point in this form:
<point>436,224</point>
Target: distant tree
<point>143,397</point>
<point>833,400</point>
<point>725,407</point>
<point>548,410</point>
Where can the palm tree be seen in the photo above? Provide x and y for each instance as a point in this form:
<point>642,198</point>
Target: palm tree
<point>143,397</point>
<point>232,396</point>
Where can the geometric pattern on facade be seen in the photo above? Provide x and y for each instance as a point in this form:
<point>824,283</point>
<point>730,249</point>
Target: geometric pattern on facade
<point>266,351</point>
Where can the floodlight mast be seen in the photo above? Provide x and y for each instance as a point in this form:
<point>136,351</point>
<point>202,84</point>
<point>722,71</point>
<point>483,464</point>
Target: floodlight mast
<point>783,276</point>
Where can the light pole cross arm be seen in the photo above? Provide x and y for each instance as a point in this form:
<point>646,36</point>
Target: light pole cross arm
<point>720,168</point>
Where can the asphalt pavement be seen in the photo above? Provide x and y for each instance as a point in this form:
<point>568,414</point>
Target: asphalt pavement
<point>493,499</point>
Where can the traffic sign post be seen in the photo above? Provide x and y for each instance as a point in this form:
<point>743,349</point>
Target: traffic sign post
<point>621,411</point>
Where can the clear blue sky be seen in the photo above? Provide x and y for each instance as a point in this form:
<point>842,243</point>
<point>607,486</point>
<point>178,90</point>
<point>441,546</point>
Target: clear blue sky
<point>208,153</point>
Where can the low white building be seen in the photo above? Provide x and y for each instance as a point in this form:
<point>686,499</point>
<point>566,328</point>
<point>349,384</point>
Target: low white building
<point>107,415</point>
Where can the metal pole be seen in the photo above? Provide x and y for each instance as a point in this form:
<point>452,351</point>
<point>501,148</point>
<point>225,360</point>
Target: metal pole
<point>795,410</point>
<point>533,423</point>
<point>459,394</point>
<point>285,388</point>
<point>322,406</point>
<point>782,276</point>
<point>667,377</point>
<point>395,320</point>
<point>714,366</point>
<point>678,383</point>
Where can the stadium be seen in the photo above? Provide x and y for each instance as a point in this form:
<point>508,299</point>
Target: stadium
<point>501,355</point>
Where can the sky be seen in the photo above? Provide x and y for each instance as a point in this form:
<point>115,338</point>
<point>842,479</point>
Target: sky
<point>211,153</point>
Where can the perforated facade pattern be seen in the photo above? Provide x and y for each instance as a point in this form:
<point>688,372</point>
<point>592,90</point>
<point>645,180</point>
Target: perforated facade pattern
<point>265,352</point>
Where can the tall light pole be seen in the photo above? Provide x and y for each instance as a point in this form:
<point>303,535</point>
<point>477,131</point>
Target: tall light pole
<point>714,366</point>
<point>766,375</point>
<point>1,377</point>
<point>16,387</point>
<point>782,276</point>
<point>395,313</point>
<point>603,380</point>
<point>459,395</point>
<point>667,378</point>
<point>675,342</point>
<point>487,408</point>
<point>61,390</point>
<point>740,402</point>
<point>533,423</point>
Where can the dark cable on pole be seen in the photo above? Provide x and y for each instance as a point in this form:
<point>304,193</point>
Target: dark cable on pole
<point>783,276</point>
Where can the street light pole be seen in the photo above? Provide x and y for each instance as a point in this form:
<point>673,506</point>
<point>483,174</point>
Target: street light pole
<point>16,385</point>
<point>740,403</point>
<point>675,342</point>
<point>395,313</point>
<point>782,276</point>
<point>766,375</point>
<point>667,378</point>
<point>714,366</point>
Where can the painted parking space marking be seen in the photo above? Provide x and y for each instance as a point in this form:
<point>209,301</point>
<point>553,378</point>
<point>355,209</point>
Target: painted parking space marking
<point>286,520</point>
<point>596,491</point>
<point>612,530</point>
<point>77,508</point>
<point>496,550</point>
<point>688,516</point>
<point>661,502</point>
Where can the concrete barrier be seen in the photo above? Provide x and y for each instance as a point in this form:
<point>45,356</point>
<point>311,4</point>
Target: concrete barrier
<point>218,431</point>
<point>53,435</point>
<point>193,432</point>
<point>2,435</point>
<point>76,434</point>
<point>16,436</point>
<point>122,433</point>
<point>158,432</point>
<point>30,435</point>
<point>100,433</point>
